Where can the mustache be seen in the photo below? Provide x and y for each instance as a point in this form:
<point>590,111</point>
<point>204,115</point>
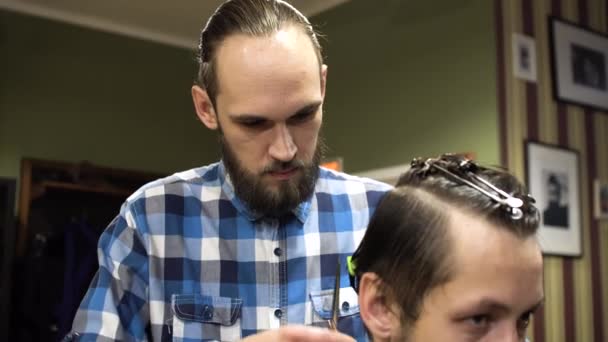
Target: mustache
<point>278,166</point>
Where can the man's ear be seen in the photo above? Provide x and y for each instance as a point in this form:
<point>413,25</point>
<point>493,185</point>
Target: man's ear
<point>374,308</point>
<point>323,79</point>
<point>204,107</point>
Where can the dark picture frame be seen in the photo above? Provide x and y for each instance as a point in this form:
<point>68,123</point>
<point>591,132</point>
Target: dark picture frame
<point>600,199</point>
<point>553,178</point>
<point>579,64</point>
<point>524,57</point>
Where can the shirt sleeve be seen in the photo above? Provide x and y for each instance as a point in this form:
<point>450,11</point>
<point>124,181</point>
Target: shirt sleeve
<point>115,307</point>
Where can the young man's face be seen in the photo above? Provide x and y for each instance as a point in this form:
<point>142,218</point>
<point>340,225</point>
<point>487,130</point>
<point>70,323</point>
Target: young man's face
<point>497,284</point>
<point>269,111</point>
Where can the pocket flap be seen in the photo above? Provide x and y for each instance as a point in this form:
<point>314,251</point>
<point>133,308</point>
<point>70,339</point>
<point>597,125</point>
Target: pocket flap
<point>323,300</point>
<point>206,309</point>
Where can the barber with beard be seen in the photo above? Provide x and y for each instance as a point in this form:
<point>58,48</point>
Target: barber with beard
<point>246,247</point>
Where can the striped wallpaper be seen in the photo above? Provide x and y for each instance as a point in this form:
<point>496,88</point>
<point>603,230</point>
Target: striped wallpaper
<point>576,289</point>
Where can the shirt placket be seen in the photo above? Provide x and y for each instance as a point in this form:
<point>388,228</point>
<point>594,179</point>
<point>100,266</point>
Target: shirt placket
<point>277,314</point>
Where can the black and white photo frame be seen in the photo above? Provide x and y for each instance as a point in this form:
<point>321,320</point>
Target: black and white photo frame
<point>579,64</point>
<point>553,178</point>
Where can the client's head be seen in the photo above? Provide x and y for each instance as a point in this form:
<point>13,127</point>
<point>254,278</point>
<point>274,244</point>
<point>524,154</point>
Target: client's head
<point>450,255</point>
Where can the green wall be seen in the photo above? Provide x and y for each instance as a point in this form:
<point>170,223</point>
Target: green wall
<point>405,79</point>
<point>68,93</point>
<point>410,78</point>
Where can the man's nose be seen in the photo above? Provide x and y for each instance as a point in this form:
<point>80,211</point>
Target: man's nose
<point>283,147</point>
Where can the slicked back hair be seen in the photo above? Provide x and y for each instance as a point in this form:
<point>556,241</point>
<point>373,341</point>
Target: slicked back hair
<point>407,242</point>
<point>255,18</point>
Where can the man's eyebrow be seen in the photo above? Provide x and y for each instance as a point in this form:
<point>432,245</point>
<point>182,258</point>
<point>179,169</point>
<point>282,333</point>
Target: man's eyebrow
<point>247,117</point>
<point>492,304</point>
<point>311,107</point>
<point>252,116</point>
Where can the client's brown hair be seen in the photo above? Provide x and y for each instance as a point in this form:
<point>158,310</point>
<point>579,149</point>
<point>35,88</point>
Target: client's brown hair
<point>407,244</point>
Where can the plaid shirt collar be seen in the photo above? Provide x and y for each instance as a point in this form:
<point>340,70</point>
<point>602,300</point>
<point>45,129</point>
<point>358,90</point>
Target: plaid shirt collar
<point>300,212</point>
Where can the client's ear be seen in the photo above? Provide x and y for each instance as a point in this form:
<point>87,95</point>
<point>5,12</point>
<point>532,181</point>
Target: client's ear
<point>375,311</point>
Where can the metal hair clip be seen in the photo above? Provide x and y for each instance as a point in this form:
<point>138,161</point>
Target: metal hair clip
<point>512,203</point>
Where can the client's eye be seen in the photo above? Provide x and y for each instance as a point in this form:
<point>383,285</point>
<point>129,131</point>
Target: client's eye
<point>476,326</point>
<point>479,320</point>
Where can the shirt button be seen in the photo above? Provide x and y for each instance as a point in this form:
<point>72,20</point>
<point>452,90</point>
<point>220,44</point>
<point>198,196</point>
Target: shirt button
<point>278,251</point>
<point>207,312</point>
<point>278,313</point>
<point>345,306</point>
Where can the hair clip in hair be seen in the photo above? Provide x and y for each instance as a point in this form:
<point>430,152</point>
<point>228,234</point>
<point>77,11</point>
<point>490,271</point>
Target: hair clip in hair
<point>422,166</point>
<point>516,213</point>
<point>512,203</point>
<point>467,165</point>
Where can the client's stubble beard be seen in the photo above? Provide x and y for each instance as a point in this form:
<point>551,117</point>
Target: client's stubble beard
<point>254,192</point>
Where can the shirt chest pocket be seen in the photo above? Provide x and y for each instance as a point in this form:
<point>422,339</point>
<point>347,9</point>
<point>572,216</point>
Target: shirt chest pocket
<point>349,320</point>
<point>206,318</point>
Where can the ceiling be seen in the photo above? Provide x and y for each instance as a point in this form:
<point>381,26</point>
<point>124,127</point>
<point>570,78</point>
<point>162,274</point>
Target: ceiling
<point>154,20</point>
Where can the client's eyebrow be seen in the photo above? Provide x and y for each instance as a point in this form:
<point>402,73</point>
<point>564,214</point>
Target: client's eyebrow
<point>490,304</point>
<point>493,305</point>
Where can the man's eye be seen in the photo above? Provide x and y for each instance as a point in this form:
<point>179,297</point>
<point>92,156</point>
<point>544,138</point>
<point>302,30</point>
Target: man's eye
<point>253,123</point>
<point>479,320</point>
<point>524,321</point>
<point>302,117</point>
<point>475,326</point>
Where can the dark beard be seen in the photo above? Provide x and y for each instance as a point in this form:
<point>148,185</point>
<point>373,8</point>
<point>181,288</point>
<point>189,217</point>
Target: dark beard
<point>251,189</point>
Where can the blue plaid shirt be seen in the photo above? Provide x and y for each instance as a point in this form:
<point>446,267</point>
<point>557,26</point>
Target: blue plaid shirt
<point>185,260</point>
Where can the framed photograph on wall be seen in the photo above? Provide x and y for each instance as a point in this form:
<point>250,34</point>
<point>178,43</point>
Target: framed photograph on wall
<point>553,180</point>
<point>524,57</point>
<point>600,199</point>
<point>579,64</point>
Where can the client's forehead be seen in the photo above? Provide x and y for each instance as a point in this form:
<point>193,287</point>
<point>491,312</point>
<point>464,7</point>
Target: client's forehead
<point>491,259</point>
<point>477,243</point>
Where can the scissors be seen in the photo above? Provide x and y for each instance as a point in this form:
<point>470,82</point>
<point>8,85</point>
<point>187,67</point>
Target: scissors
<point>335,308</point>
